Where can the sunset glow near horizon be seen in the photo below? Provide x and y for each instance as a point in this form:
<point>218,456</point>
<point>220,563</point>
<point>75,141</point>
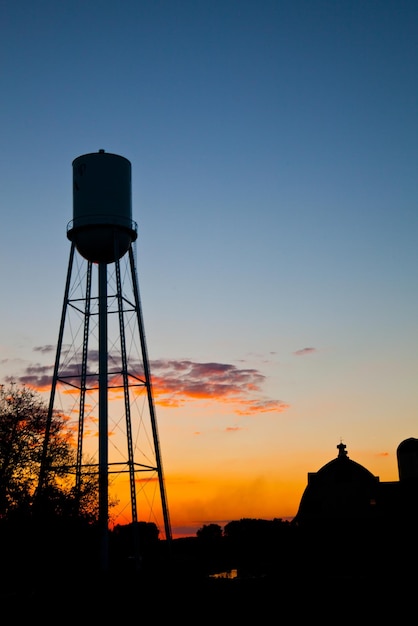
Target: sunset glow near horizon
<point>274,150</point>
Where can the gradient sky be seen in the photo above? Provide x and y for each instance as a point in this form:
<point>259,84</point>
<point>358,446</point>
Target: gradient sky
<point>274,164</point>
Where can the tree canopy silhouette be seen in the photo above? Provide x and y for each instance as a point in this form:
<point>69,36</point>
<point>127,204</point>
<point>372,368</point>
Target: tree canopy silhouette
<point>23,419</point>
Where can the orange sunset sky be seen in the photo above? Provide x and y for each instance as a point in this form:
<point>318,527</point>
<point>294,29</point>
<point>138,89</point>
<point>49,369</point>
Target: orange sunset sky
<point>273,147</point>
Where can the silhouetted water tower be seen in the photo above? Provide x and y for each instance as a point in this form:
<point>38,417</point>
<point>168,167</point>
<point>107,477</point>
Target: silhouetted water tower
<point>101,360</point>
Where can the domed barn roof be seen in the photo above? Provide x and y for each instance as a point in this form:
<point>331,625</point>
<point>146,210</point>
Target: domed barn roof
<point>342,490</point>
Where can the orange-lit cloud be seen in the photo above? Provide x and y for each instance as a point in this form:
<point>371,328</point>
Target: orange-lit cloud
<point>251,407</point>
<point>174,382</point>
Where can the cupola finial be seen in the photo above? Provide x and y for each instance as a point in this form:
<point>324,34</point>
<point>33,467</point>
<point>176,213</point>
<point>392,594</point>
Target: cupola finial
<point>342,452</point>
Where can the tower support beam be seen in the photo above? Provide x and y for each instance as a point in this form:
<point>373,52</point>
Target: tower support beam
<point>103,416</point>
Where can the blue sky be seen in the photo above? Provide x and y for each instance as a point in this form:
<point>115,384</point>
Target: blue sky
<point>274,152</point>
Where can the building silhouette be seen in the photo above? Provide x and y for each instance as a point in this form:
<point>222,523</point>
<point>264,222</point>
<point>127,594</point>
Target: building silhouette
<point>343,491</point>
<point>356,526</point>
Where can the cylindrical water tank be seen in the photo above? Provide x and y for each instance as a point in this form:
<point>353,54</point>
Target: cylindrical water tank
<point>102,227</point>
<point>407,455</point>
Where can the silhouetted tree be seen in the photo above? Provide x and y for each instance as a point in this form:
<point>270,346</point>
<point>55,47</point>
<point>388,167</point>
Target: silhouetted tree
<point>209,532</point>
<point>135,546</point>
<point>23,418</point>
<point>259,545</point>
<point>147,532</point>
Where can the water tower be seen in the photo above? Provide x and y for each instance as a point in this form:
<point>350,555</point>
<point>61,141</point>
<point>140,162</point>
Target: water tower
<point>101,380</point>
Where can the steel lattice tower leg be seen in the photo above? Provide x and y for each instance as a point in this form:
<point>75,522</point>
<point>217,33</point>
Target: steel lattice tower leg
<point>99,366</point>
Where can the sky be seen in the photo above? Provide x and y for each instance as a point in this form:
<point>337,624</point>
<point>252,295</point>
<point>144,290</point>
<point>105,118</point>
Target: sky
<point>274,151</point>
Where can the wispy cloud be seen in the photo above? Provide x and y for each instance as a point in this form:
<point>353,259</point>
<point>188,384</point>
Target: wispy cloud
<point>304,351</point>
<point>47,349</point>
<point>252,407</point>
